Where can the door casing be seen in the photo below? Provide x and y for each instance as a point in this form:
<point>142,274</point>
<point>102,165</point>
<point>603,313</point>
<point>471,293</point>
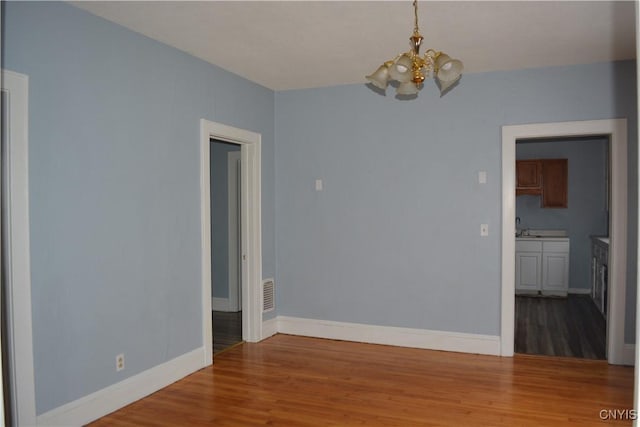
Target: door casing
<point>15,181</point>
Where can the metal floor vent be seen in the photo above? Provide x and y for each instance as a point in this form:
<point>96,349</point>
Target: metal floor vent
<point>268,295</point>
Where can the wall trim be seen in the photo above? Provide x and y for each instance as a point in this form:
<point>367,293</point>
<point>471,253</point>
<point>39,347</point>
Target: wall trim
<point>220,304</point>
<point>579,291</point>
<point>390,335</point>
<point>629,354</point>
<point>269,327</point>
<point>109,399</point>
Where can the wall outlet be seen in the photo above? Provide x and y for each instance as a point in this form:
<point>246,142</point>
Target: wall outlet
<point>120,362</point>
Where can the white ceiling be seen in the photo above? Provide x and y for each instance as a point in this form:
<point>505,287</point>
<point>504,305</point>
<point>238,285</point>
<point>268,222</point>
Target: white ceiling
<point>302,44</point>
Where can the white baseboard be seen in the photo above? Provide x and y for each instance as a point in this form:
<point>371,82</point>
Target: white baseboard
<point>581,291</point>
<point>629,354</point>
<point>402,337</point>
<point>116,396</point>
<point>269,327</point>
<point>220,304</point>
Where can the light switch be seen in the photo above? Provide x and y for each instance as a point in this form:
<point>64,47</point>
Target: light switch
<point>484,230</point>
<point>318,185</point>
<point>482,177</point>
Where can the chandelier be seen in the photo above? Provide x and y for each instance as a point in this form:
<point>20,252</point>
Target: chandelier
<point>410,69</point>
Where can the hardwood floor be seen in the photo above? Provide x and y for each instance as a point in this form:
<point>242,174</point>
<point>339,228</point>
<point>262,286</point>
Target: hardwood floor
<point>568,327</point>
<point>298,381</point>
<point>227,329</point>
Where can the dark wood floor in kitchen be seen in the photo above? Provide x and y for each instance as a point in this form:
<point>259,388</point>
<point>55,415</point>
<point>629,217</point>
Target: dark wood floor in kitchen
<point>227,330</point>
<point>569,327</point>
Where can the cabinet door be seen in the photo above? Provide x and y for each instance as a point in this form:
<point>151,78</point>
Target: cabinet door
<point>529,176</point>
<point>598,293</point>
<point>528,271</point>
<point>555,273</point>
<point>554,183</point>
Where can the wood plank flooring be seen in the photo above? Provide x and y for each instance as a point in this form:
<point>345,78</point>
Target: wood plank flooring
<point>298,381</point>
<point>227,329</point>
<point>568,327</point>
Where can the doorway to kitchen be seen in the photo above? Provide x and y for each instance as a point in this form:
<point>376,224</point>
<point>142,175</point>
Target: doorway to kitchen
<point>562,206</point>
<point>226,268</point>
<point>616,130</point>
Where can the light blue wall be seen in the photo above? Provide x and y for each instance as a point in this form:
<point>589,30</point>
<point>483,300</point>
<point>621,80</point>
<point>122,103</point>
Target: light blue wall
<point>114,192</point>
<point>392,240</point>
<point>586,214</point>
<point>220,218</point>
<point>394,237</point>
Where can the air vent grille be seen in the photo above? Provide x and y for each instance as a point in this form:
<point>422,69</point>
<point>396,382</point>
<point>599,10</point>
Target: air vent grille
<point>268,295</point>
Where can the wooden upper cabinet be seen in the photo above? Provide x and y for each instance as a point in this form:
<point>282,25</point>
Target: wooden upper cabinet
<point>528,177</point>
<point>545,177</point>
<point>555,183</point>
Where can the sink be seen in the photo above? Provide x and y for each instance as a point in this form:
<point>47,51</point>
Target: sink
<point>538,234</point>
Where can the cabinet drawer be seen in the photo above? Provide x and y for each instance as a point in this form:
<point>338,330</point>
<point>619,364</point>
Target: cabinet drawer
<point>528,246</point>
<point>555,246</point>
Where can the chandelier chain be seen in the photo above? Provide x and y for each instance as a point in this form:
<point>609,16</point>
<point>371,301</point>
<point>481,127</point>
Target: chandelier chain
<point>415,13</point>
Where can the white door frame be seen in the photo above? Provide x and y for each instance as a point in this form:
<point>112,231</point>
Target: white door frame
<point>616,129</point>
<point>233,208</point>
<point>18,289</point>
<point>251,227</point>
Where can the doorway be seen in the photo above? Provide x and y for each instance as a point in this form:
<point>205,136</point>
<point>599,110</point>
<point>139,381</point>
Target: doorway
<point>250,224</point>
<point>226,268</point>
<point>561,221</point>
<point>616,130</point>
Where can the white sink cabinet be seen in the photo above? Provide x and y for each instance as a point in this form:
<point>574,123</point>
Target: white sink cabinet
<point>542,265</point>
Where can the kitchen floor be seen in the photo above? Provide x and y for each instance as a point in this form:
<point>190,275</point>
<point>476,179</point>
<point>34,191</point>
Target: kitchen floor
<point>568,327</point>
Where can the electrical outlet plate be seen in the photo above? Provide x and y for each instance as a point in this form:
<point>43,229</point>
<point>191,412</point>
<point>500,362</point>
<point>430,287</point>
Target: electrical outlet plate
<point>120,362</point>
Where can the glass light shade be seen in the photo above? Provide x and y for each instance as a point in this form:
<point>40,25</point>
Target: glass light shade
<point>401,69</point>
<point>446,84</point>
<point>407,88</point>
<point>380,77</point>
<point>449,70</point>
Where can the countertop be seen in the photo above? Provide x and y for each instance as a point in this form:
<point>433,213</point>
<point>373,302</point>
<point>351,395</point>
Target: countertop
<point>548,235</point>
<point>546,239</point>
<point>604,239</point>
